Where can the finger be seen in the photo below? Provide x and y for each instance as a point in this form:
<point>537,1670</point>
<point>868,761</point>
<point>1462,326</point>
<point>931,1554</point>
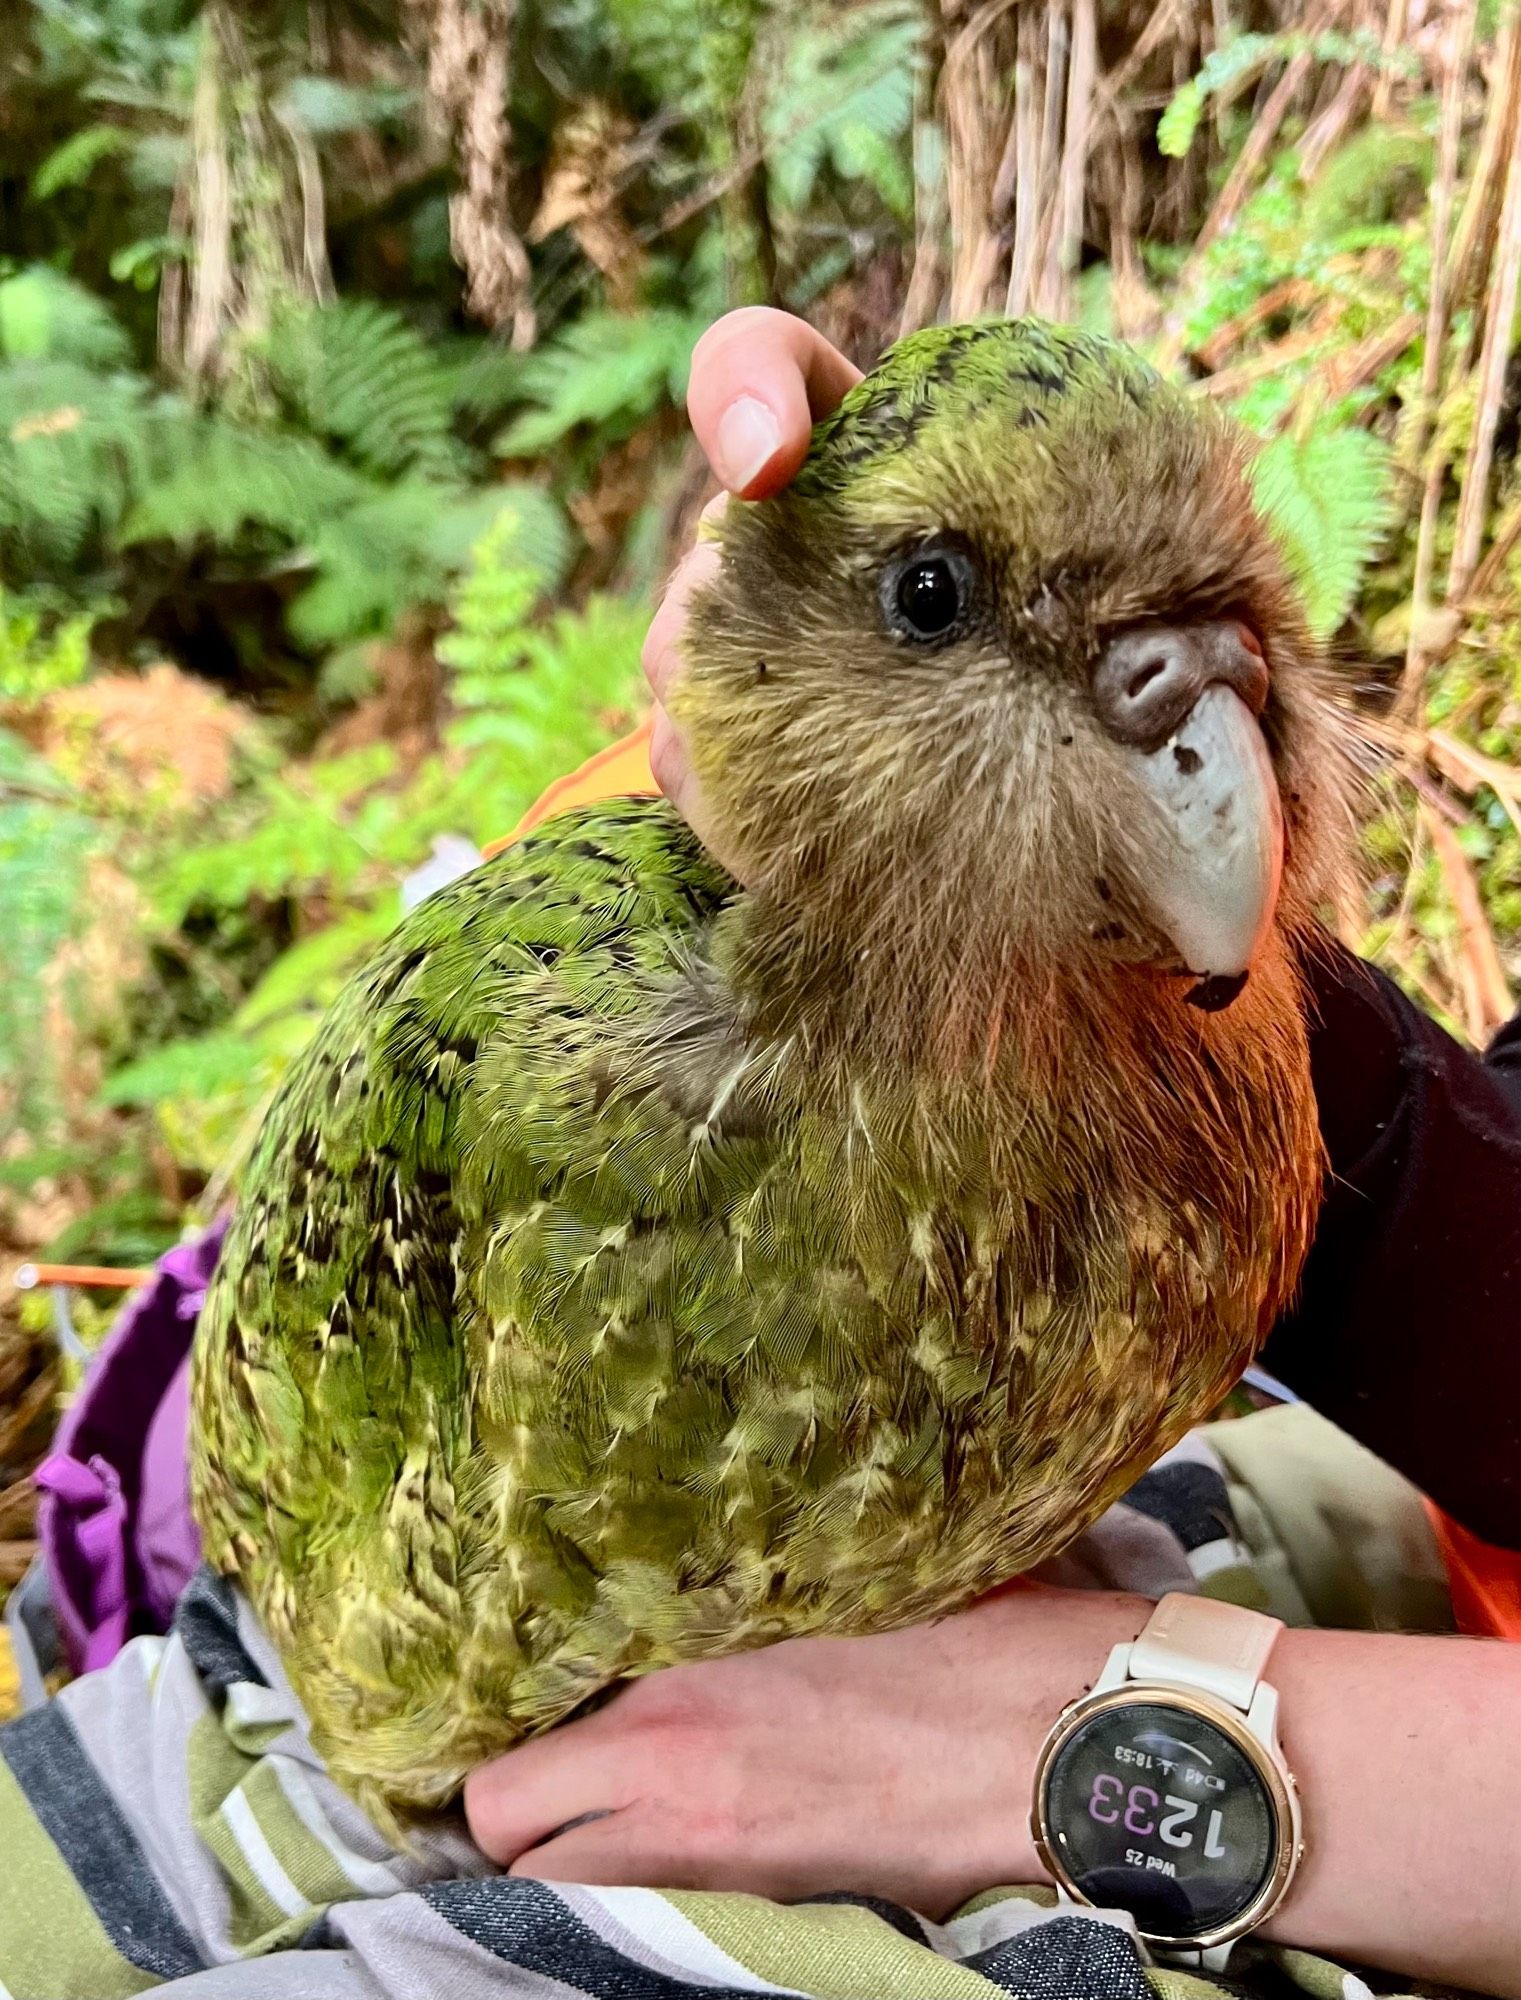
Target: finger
<point>668,762</point>
<point>759,380</point>
<point>518,1801</point>
<point>676,778</point>
<point>628,1849</point>
<point>661,655</point>
<point>650,1849</point>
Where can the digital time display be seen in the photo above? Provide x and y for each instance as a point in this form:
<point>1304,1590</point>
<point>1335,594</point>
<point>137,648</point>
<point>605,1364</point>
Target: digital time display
<point>1152,1809</point>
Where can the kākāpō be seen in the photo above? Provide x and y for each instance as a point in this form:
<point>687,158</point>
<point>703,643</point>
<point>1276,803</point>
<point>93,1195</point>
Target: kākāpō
<point>638,1267</point>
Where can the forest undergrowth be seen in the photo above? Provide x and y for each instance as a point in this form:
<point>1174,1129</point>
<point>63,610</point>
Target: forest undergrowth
<point>342,350</point>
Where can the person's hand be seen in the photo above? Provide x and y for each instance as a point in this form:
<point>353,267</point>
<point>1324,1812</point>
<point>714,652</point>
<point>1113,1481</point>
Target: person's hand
<point>760,380</point>
<point>898,1765</point>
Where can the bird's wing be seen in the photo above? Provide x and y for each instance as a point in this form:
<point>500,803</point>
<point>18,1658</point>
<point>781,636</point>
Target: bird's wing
<point>328,1356</point>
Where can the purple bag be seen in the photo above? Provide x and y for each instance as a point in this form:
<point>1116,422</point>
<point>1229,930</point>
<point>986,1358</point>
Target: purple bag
<point>118,1540</point>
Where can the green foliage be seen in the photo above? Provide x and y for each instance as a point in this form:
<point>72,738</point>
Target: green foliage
<point>1329,497</point>
<point>530,694</point>
<point>1320,235</point>
<point>74,446</point>
<point>45,316</point>
<point>39,655</point>
<point>607,370</point>
<point>71,164</point>
<point>210,480</point>
<point>363,486</point>
<point>844,99</point>
<point>399,545</point>
<point>689,53</point>
<point>342,481</point>
<point>531,698</point>
<point>1236,62</point>
<point>358,377</point>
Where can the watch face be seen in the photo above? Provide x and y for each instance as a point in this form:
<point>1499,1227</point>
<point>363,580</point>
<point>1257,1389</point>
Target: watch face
<point>1153,1809</point>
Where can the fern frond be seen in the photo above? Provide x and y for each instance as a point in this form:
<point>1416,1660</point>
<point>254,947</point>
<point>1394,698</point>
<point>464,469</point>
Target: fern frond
<point>532,698</point>
<point>1329,499</point>
<point>210,480</point>
<point>358,376</point>
<point>208,1063</point>
<point>45,316</point>
<point>1226,69</point>
<point>74,448</point>
<point>71,164</point>
<point>609,369</point>
<point>484,377</point>
<point>403,544</point>
<point>844,98</point>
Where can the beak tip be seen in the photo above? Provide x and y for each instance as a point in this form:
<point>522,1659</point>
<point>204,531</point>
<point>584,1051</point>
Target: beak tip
<point>1216,991</point>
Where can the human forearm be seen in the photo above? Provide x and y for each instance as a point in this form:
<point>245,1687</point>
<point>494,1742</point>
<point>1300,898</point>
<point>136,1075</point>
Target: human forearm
<point>902,1766</point>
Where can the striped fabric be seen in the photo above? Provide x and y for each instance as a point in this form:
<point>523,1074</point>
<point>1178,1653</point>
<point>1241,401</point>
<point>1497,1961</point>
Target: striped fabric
<point>165,1823</point>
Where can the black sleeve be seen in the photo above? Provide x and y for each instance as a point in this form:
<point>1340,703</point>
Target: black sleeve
<point>1407,1332</point>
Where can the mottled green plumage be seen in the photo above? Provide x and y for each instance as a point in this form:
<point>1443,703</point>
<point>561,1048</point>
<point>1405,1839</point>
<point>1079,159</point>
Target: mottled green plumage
<point>637,1268</point>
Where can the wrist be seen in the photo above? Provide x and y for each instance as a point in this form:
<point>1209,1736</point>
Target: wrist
<point>1036,1650</point>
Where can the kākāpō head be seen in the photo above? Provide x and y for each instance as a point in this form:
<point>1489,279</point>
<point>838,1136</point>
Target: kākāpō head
<point>1008,694</point>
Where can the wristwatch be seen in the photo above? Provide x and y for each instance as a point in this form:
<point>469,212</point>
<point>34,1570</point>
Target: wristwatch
<point>1165,1793</point>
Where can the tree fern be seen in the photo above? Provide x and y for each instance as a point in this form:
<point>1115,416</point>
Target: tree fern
<point>359,376</point>
<point>1329,498</point>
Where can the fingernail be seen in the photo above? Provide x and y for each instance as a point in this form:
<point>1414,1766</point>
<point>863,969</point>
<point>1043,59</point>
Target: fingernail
<point>748,439</point>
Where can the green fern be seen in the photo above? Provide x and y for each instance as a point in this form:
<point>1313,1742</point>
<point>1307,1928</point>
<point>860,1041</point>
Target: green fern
<point>75,445</point>
<point>844,99</point>
<point>694,53</point>
<point>358,376</point>
<point>608,370</point>
<point>210,480</point>
<point>38,655</point>
<point>1329,498</point>
<point>71,164</point>
<point>45,316</point>
<point>1236,62</point>
<point>401,545</point>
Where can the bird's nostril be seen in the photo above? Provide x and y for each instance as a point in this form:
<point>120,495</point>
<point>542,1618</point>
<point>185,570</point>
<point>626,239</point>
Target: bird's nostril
<point>1147,681</point>
<point>1147,672</point>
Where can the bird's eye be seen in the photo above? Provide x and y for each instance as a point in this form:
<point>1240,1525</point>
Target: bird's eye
<point>926,596</point>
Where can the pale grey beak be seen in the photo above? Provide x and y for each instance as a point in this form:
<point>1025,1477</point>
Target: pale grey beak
<point>1212,878</point>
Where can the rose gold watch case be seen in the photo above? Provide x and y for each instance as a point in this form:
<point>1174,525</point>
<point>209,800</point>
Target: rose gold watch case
<point>1231,1723</point>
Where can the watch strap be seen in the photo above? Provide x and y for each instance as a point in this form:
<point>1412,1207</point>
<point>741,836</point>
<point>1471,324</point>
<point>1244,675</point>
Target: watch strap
<point>1204,1643</point>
